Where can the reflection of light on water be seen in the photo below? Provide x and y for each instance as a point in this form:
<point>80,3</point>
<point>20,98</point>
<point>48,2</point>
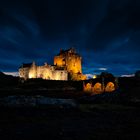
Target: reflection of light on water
<point>94,76</point>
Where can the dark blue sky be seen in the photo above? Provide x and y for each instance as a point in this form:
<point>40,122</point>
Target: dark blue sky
<point>105,32</point>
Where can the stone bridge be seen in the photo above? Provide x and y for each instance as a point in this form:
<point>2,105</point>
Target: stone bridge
<point>100,85</point>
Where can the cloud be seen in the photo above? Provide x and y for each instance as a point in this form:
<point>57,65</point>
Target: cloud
<point>106,33</point>
<point>103,69</point>
<point>89,76</point>
<point>11,73</point>
<point>129,75</point>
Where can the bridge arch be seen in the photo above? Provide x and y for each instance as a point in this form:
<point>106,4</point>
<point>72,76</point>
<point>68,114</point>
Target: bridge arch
<point>97,88</point>
<point>110,87</point>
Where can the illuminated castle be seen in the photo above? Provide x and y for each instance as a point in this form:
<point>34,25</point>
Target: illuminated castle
<point>67,66</point>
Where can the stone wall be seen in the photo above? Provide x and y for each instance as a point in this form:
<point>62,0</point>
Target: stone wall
<point>73,63</point>
<point>59,61</point>
<point>60,75</point>
<point>33,71</point>
<point>24,73</point>
<point>45,72</point>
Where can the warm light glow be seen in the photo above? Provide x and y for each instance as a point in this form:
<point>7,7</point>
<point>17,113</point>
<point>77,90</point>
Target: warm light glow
<point>110,87</point>
<point>71,60</point>
<point>97,89</point>
<point>67,62</point>
<point>94,76</point>
<point>31,75</point>
<point>88,87</point>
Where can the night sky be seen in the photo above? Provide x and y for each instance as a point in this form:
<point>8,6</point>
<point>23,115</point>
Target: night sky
<point>106,33</point>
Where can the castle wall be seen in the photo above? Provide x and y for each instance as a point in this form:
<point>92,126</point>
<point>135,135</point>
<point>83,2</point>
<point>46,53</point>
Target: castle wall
<point>71,61</point>
<point>24,73</point>
<point>59,60</point>
<point>40,71</point>
<point>77,76</point>
<point>60,75</point>
<point>33,71</point>
<point>47,72</point>
<point>74,64</point>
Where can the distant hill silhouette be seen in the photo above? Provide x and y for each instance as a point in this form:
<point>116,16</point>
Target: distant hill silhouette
<point>2,75</point>
<point>7,80</point>
<point>137,74</point>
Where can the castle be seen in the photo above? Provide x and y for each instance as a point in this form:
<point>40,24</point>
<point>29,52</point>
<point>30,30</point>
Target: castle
<point>67,66</point>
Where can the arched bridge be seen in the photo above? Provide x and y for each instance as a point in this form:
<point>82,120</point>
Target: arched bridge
<point>100,85</point>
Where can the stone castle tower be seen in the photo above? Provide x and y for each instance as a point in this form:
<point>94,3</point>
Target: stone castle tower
<point>71,61</point>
